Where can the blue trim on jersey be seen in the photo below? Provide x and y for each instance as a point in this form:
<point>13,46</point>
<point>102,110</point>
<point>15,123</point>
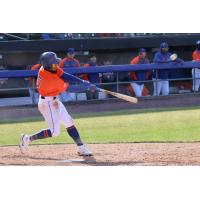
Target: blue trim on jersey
<point>71,79</point>
<point>51,117</point>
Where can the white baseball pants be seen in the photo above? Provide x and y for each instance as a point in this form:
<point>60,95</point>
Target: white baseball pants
<point>54,114</point>
<point>137,89</point>
<point>160,86</point>
<point>196,82</point>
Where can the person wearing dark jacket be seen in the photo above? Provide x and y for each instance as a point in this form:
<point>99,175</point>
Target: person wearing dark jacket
<point>68,62</point>
<point>196,71</point>
<point>162,75</point>
<point>93,78</point>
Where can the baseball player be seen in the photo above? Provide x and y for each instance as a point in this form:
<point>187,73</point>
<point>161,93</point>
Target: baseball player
<point>196,71</point>
<point>93,78</point>
<point>141,75</point>
<point>32,81</point>
<point>67,62</point>
<point>162,56</point>
<point>51,81</point>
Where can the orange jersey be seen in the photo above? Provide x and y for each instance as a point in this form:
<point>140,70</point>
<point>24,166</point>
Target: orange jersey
<point>34,67</point>
<point>50,84</point>
<point>68,62</point>
<point>134,61</point>
<point>196,55</point>
<point>85,76</point>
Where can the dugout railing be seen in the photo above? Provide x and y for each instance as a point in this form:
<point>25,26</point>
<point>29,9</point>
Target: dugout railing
<point>117,69</point>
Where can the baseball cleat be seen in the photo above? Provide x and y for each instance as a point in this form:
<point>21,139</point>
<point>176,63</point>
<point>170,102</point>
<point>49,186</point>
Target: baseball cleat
<point>24,142</point>
<point>84,151</point>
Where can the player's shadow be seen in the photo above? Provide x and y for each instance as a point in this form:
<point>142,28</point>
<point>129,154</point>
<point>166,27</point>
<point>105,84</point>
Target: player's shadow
<point>30,157</point>
<point>89,160</point>
<point>86,160</point>
<point>42,158</point>
<point>93,162</point>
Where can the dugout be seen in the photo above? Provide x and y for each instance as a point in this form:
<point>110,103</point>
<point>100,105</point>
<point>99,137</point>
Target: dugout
<point>17,54</point>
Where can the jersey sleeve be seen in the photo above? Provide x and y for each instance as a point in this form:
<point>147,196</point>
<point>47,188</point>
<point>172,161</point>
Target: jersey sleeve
<point>59,72</point>
<point>36,66</point>
<point>195,56</point>
<point>77,63</point>
<point>71,79</point>
<point>134,60</point>
<point>62,62</point>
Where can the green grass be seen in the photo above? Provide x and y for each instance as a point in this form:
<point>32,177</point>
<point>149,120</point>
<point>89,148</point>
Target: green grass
<point>150,125</point>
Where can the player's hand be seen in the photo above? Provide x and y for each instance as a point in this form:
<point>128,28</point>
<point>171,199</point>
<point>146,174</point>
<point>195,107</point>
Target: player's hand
<point>86,83</point>
<point>173,57</point>
<point>89,86</point>
<point>92,88</point>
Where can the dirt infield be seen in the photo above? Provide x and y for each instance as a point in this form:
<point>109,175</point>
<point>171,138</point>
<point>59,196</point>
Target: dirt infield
<point>132,154</point>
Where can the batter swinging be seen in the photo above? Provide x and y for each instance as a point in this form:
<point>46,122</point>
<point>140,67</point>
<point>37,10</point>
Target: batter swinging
<point>52,81</point>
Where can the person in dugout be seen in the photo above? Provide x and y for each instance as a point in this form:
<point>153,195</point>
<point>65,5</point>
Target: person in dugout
<point>138,77</point>
<point>68,62</point>
<point>32,84</point>
<point>196,71</point>
<point>161,76</point>
<point>92,78</point>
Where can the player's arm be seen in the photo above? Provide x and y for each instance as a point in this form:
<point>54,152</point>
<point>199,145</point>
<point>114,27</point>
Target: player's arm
<point>77,63</point>
<point>72,79</point>
<point>159,59</point>
<point>86,85</point>
<point>62,63</point>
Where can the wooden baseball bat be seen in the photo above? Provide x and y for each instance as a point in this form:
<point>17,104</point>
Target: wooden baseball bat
<point>120,96</point>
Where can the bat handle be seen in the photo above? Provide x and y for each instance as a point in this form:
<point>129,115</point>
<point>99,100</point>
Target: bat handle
<point>100,89</point>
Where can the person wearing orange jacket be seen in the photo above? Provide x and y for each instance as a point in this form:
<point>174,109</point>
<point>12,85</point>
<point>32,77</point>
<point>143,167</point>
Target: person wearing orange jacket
<point>92,78</point>
<point>196,71</point>
<point>138,77</point>
<point>68,62</point>
<point>32,84</point>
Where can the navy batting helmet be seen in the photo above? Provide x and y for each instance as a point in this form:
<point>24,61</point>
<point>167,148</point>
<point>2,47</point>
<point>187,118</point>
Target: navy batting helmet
<point>70,51</point>
<point>49,58</point>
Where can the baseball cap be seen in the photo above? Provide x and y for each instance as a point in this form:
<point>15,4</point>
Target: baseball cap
<point>70,50</point>
<point>163,45</point>
<point>142,50</point>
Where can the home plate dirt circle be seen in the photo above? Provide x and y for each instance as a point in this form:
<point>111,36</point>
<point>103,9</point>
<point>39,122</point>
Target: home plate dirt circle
<point>122,154</point>
<point>71,160</point>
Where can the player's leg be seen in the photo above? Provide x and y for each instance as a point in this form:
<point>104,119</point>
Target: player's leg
<point>141,89</point>
<point>157,87</point>
<point>95,95</point>
<point>197,84</point>
<point>165,88</point>
<point>194,85</point>
<point>197,79</point>
<point>67,120</point>
<point>51,114</point>
<point>137,89</point>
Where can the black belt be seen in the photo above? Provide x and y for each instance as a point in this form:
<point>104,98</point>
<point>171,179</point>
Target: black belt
<point>42,97</point>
